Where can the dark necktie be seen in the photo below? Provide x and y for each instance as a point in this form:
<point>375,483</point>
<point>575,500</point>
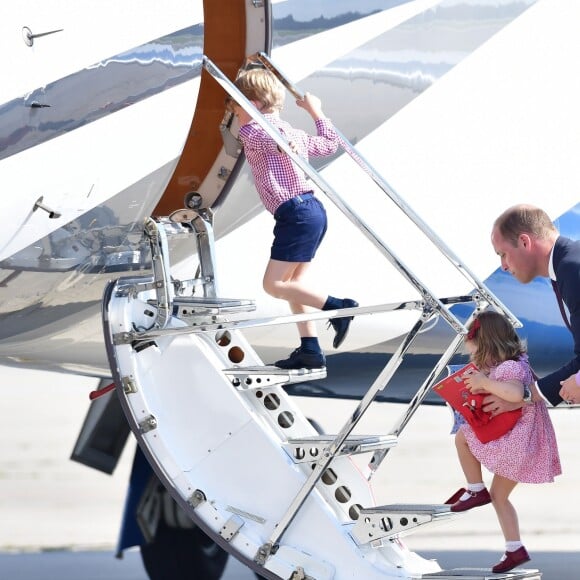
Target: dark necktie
<point>561,304</point>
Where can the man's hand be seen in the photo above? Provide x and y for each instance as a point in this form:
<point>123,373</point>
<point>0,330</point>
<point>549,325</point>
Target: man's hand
<point>495,405</point>
<point>570,391</point>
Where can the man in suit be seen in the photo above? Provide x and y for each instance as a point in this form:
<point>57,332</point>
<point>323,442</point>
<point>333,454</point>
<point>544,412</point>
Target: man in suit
<point>529,245</point>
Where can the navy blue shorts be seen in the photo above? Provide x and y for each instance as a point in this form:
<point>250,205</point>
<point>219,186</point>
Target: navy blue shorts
<point>300,226</point>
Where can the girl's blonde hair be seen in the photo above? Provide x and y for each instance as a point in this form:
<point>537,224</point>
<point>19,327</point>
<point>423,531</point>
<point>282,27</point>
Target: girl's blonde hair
<point>495,338</point>
<point>261,85</point>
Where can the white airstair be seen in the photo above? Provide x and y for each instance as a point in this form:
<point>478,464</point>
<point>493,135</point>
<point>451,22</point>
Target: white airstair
<point>232,448</point>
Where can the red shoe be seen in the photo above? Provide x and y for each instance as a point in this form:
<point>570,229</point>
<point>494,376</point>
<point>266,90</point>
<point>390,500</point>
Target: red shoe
<point>455,497</point>
<point>511,560</point>
<point>476,499</point>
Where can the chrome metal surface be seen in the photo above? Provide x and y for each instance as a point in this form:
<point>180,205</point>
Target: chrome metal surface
<point>271,321</point>
<point>329,453</point>
<point>161,271</point>
<point>268,376</point>
<point>391,521</point>
<point>308,449</point>
<point>231,527</point>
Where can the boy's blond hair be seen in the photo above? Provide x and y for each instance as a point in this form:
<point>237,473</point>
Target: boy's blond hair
<point>262,86</point>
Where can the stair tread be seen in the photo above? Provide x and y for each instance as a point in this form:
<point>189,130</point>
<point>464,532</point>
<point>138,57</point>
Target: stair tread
<point>482,574</point>
<point>192,306</point>
<point>350,439</point>
<point>273,370</point>
<point>212,302</point>
<point>352,445</point>
<point>408,508</point>
<point>293,375</point>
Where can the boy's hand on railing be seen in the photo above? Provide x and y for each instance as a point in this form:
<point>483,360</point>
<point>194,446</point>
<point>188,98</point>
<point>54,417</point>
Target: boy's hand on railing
<point>312,105</point>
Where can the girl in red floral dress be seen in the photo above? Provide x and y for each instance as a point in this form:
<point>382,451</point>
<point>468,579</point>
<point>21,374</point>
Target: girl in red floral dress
<point>526,454</point>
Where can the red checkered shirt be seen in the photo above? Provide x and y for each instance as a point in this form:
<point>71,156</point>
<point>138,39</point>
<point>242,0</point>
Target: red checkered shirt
<point>276,176</point>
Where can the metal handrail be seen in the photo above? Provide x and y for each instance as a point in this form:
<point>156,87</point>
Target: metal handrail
<point>155,332</point>
<point>431,305</point>
<point>350,149</point>
<point>243,102</point>
<point>330,452</point>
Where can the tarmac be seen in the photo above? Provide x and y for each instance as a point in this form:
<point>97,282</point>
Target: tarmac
<point>50,505</point>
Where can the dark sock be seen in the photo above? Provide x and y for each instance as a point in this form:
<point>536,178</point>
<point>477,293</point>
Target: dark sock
<point>310,344</point>
<point>332,303</point>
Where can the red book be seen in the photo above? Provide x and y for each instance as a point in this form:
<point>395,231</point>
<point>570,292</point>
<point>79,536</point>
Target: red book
<point>456,393</point>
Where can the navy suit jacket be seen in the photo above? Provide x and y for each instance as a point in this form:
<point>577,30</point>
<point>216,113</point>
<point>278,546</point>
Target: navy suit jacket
<point>566,261</point>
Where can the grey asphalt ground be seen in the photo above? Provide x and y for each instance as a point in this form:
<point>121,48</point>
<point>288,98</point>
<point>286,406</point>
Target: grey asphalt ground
<point>60,520</point>
<point>67,565</point>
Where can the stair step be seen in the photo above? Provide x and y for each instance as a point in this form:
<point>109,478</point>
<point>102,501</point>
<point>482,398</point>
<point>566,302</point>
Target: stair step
<point>189,306</point>
<point>259,377</point>
<point>423,508</point>
<point>311,448</point>
<point>482,574</point>
<point>388,521</point>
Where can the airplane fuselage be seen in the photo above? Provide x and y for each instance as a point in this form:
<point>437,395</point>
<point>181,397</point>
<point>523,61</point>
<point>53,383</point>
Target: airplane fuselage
<point>93,128</point>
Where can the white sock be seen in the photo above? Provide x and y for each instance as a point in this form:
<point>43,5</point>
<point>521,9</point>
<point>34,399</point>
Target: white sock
<point>513,546</point>
<point>473,487</point>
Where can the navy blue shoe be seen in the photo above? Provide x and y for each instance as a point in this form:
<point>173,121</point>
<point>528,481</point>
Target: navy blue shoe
<point>341,325</point>
<point>300,359</point>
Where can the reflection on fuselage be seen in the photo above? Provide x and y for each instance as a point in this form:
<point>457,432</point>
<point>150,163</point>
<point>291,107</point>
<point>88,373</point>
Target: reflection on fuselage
<point>380,77</point>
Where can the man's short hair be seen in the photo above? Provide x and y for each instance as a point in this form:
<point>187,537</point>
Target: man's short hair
<point>524,219</point>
